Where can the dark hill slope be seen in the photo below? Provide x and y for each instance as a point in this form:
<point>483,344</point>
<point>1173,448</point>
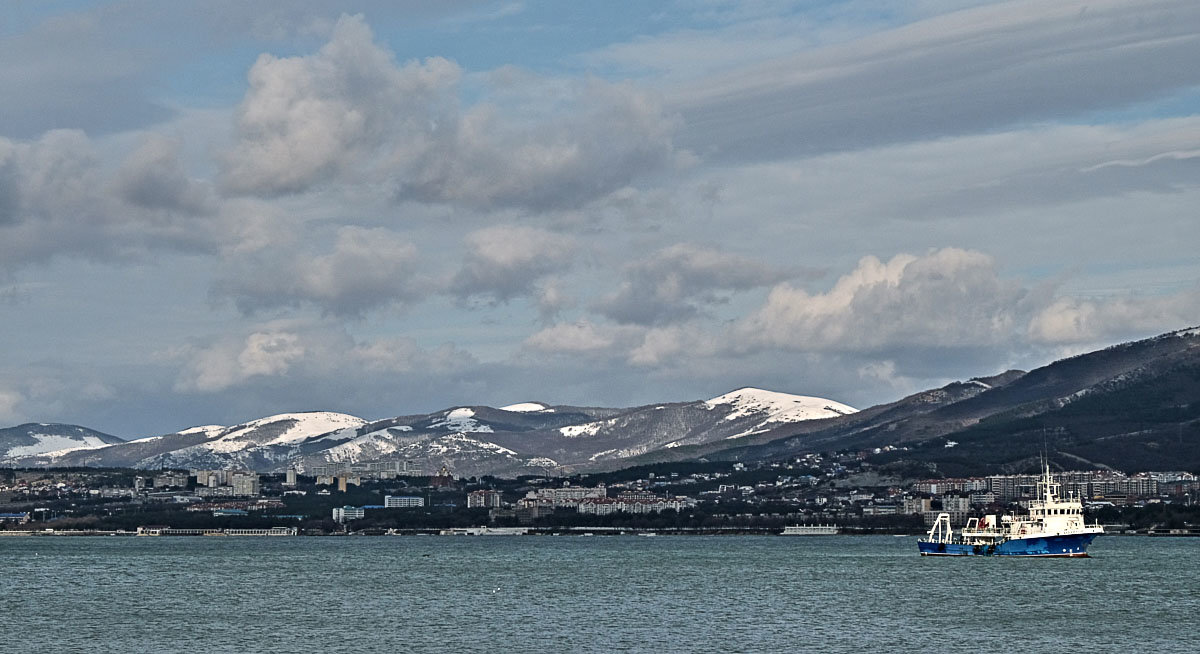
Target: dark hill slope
<point>1132,406</point>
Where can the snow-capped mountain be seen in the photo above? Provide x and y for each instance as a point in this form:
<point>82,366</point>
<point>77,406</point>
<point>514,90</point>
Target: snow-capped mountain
<point>469,440</point>
<point>777,407</point>
<point>39,439</point>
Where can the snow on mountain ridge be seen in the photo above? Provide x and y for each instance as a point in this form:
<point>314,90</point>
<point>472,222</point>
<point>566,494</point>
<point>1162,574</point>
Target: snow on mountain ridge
<point>527,407</point>
<point>207,430</point>
<point>586,429</point>
<point>305,426</point>
<point>53,444</point>
<point>778,407</point>
<point>461,419</point>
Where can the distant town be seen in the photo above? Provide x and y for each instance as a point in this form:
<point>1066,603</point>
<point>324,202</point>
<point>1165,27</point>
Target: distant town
<point>391,497</point>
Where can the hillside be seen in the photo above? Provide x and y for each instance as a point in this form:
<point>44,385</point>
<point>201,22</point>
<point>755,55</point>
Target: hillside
<point>38,439</point>
<point>1134,406</point>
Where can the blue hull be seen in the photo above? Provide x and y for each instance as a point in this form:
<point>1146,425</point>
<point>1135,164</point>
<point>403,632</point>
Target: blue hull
<point>1074,545</point>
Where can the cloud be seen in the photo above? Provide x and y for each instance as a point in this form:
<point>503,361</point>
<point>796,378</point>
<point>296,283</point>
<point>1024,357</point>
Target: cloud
<point>1075,321</point>
<point>951,301</point>
<point>600,138</point>
<point>948,298</point>
<point>58,198</point>
<point>636,346</point>
<point>349,113</point>
<point>268,352</point>
<point>952,74</point>
<point>152,177</point>
<point>673,283</point>
<point>366,269</point>
<point>662,345</point>
<point>576,338</point>
<point>300,353</point>
<point>314,118</point>
<point>551,299</point>
<point>402,355</point>
<point>506,261</point>
<point>9,401</point>
<point>70,72</point>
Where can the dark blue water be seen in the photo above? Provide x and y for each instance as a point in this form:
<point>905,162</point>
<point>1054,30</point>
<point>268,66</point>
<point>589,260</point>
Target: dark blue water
<point>580,594</point>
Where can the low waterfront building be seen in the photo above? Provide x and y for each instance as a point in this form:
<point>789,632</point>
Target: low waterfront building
<point>567,496</point>
<point>609,505</point>
<point>343,513</point>
<point>402,501</point>
<point>16,518</point>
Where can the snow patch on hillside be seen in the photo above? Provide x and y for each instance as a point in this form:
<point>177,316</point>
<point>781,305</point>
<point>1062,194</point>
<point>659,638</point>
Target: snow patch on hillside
<point>586,429</point>
<point>55,444</point>
<point>461,420</point>
<point>460,443</point>
<point>527,407</point>
<point>778,407</point>
<point>303,427</point>
<point>207,430</point>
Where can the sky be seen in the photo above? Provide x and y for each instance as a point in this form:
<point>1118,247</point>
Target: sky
<point>212,212</point>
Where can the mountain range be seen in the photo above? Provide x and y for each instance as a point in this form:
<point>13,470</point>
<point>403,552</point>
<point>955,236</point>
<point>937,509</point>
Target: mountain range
<point>1134,406</point>
<point>472,440</point>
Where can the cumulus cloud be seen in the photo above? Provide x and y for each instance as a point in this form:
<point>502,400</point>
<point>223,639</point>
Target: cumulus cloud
<point>948,298</point>
<point>604,137</point>
<point>59,198</point>
<point>350,112</point>
<point>637,346</point>
<point>309,118</point>
<point>662,345</point>
<point>1071,321</point>
<point>152,177</point>
<point>674,282</point>
<point>506,261</point>
<point>367,268</point>
<point>268,352</point>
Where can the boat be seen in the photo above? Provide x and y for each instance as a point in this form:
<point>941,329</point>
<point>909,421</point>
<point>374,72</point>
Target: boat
<point>810,530</point>
<point>485,531</point>
<point>1053,527</point>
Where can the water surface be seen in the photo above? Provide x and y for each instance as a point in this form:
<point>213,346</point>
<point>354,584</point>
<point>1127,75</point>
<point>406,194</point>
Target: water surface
<point>587,594</point>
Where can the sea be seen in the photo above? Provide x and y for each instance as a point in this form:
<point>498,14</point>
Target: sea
<point>588,594</point>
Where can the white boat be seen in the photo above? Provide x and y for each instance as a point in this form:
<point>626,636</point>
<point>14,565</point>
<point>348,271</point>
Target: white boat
<point>810,530</point>
<point>485,531</point>
<point>1053,527</point>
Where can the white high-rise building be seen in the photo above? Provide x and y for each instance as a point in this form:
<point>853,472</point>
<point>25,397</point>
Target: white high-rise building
<point>246,483</point>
